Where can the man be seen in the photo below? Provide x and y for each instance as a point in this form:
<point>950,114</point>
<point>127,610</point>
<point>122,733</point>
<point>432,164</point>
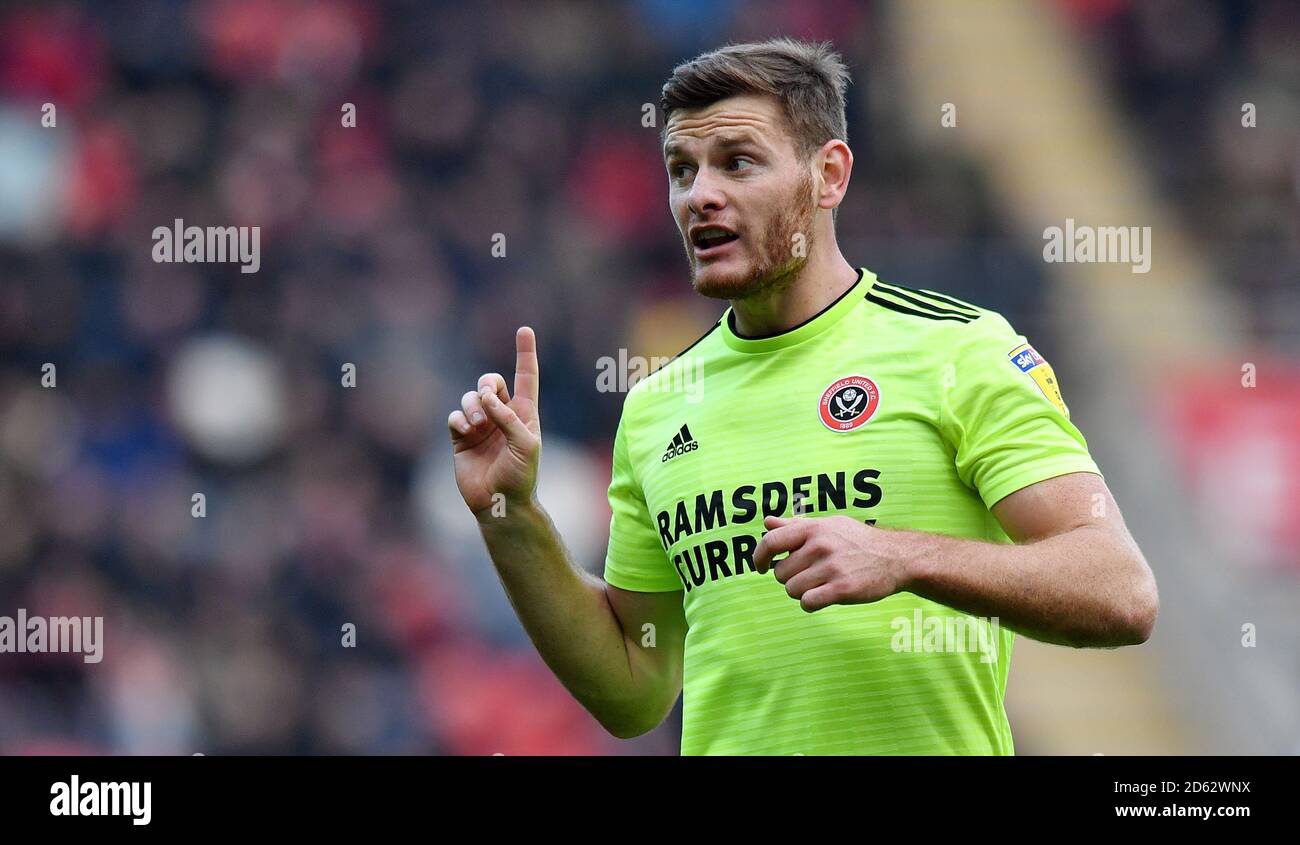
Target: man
<point>900,460</point>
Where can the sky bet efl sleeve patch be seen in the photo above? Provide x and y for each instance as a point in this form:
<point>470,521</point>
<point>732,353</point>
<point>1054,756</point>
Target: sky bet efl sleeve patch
<point>1036,367</point>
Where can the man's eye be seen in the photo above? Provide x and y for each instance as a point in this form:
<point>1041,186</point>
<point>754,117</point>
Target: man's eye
<point>739,164</point>
<point>679,171</point>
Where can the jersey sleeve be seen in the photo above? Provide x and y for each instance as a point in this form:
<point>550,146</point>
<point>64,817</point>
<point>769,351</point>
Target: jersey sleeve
<point>1003,413</point>
<point>635,559</point>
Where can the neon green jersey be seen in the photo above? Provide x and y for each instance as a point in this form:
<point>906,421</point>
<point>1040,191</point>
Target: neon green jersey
<point>902,408</point>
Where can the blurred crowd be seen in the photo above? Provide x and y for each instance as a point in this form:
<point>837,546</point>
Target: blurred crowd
<point>1191,76</point>
<point>499,173</point>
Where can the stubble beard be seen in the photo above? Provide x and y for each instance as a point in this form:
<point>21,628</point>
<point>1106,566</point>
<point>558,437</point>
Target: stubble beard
<point>778,262</point>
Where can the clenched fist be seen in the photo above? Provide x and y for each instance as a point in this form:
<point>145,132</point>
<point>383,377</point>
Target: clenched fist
<point>834,559</point>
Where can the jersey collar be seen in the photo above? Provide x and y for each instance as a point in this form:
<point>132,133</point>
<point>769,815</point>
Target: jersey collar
<point>814,325</point>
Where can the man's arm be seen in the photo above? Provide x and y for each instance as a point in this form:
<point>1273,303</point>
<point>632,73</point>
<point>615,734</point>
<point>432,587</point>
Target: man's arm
<point>593,635</point>
<point>1075,577</point>
<point>588,632</point>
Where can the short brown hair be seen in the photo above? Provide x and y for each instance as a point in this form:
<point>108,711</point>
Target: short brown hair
<point>807,79</point>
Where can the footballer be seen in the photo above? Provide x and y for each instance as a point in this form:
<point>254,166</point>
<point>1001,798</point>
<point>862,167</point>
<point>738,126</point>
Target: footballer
<point>830,547</point>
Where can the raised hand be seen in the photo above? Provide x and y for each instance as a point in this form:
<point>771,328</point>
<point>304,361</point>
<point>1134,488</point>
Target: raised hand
<point>496,440</point>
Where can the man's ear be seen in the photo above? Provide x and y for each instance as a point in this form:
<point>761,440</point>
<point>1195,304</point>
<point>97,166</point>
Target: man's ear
<point>835,163</point>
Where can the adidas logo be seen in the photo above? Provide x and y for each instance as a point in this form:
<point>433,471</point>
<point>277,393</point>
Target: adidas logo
<point>681,443</point>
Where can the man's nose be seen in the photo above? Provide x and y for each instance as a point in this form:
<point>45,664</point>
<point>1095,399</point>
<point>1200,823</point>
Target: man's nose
<point>706,194</point>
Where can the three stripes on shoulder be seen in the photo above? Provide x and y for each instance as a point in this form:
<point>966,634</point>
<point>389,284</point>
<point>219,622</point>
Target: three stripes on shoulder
<point>921,303</point>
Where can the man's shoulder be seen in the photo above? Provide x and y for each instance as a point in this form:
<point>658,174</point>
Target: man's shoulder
<point>926,318</point>
<point>924,308</point>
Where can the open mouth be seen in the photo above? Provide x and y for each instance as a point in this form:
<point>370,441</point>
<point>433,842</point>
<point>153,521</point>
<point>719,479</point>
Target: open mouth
<point>710,238</point>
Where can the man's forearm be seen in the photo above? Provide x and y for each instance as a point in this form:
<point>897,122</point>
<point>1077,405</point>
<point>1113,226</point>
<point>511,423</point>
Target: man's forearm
<point>1083,587</point>
<point>565,612</point>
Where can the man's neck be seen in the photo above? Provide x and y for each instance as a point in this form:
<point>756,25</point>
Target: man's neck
<point>817,286</point>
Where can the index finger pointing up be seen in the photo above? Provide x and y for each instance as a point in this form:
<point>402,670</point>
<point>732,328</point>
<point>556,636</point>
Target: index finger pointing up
<point>527,377</point>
